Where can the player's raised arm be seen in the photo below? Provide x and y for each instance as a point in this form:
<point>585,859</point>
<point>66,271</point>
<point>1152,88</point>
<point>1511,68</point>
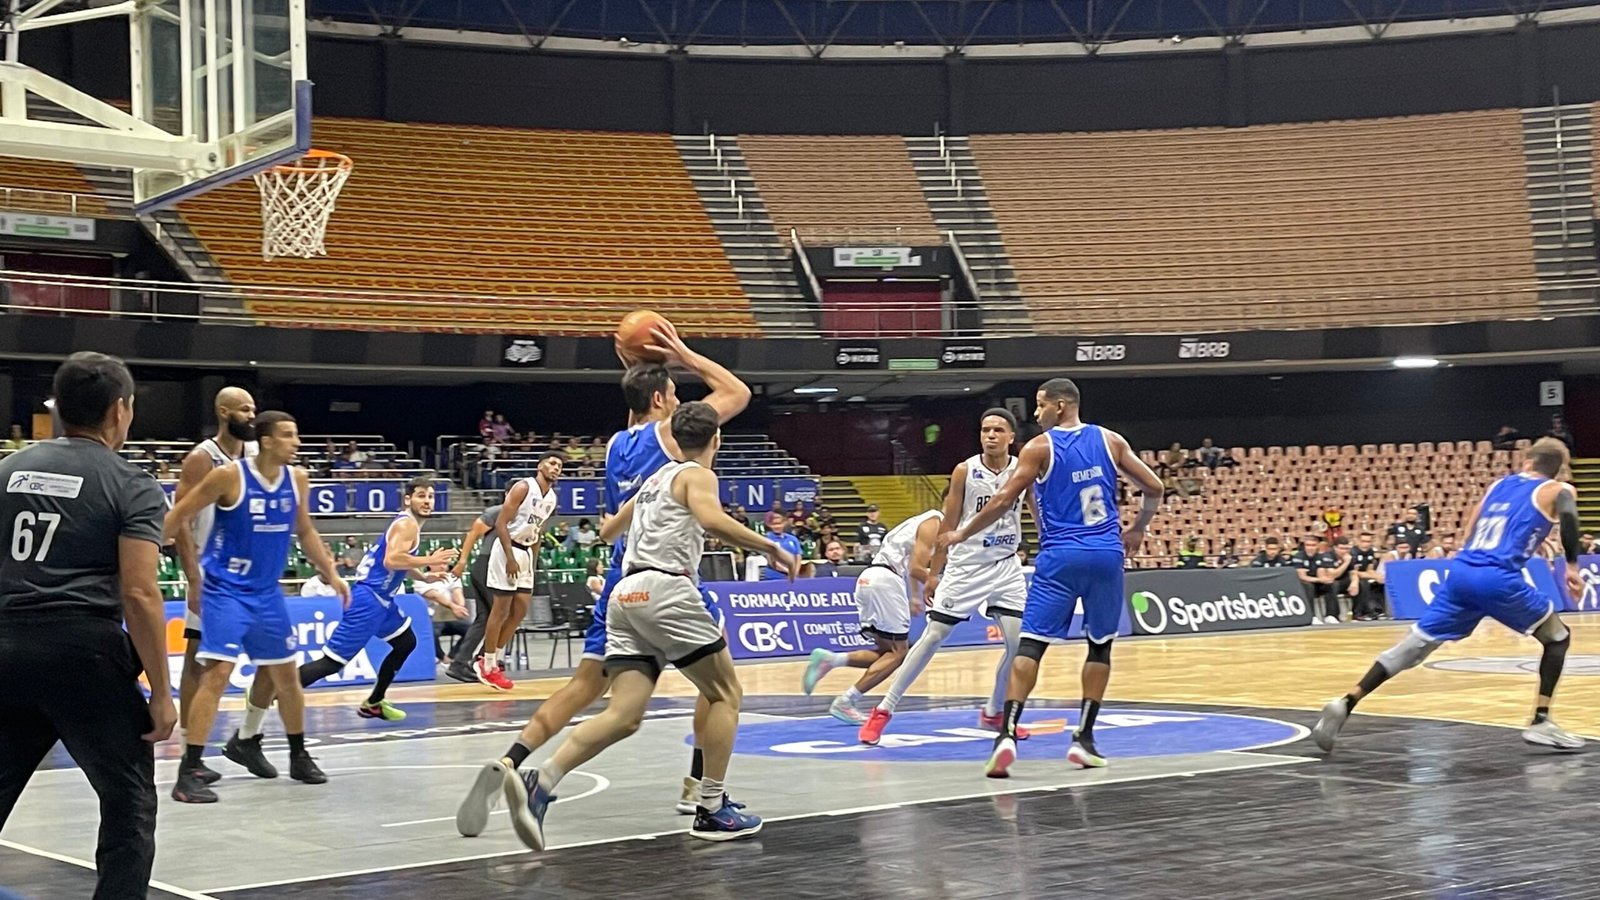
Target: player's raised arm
<point>1144,478</point>
<point>221,486</point>
<point>696,488</point>
<point>729,396</point>
<point>1031,463</point>
<point>953,499</point>
<point>502,526</point>
<point>311,543</point>
<point>615,526</point>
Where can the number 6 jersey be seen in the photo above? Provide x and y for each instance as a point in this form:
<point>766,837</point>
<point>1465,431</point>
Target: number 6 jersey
<point>1077,495</point>
<point>1001,538</point>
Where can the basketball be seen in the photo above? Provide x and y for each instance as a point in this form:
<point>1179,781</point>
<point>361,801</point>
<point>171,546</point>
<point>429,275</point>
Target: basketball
<point>634,333</point>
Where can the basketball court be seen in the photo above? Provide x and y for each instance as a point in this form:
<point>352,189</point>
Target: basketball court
<point>1213,789</point>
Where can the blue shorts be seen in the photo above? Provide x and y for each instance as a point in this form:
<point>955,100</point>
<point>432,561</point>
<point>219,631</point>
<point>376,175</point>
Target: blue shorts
<point>594,640</point>
<point>1468,593</point>
<point>240,624</point>
<point>370,615</point>
<point>1060,578</point>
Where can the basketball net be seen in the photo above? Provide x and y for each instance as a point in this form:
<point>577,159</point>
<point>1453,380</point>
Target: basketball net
<point>296,201</point>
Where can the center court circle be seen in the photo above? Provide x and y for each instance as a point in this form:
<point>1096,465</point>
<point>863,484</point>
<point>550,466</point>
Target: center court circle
<point>1577,664</point>
<point>952,735</point>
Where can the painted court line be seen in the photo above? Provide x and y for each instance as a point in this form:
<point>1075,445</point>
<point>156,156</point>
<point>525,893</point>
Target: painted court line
<point>1260,761</point>
<point>85,864</point>
<point>600,783</point>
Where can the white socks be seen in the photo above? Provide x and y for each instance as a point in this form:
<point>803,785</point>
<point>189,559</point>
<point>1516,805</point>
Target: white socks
<point>837,659</point>
<point>550,775</point>
<point>853,696</point>
<point>711,794</point>
<point>1011,628</point>
<point>253,716</point>
<point>917,660</point>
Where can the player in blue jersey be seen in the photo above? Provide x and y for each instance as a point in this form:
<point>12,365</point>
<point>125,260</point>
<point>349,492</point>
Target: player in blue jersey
<point>1073,469</point>
<point>260,508</point>
<point>1485,579</point>
<point>633,455</point>
<point>372,612</point>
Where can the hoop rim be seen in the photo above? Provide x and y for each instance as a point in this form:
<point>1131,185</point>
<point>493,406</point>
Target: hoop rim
<point>339,161</point>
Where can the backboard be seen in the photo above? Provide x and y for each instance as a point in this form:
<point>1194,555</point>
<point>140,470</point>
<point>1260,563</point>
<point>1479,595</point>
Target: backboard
<point>219,93</point>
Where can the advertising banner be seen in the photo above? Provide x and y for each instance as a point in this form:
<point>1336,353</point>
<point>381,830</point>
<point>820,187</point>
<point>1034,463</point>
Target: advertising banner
<point>1172,601</point>
<point>314,619</point>
<point>1411,584</point>
<point>331,498</point>
<point>586,497</point>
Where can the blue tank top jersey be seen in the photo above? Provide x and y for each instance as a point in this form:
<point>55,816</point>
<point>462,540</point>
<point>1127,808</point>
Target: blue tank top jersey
<point>1077,496</point>
<point>249,542</point>
<point>633,455</point>
<point>1509,527</point>
<point>373,575</point>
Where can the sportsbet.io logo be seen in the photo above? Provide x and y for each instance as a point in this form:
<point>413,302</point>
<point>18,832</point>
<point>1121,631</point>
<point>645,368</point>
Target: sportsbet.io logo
<point>1150,611</point>
<point>1156,614</point>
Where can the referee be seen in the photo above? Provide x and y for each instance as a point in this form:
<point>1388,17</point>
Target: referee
<point>461,668</point>
<point>81,531</point>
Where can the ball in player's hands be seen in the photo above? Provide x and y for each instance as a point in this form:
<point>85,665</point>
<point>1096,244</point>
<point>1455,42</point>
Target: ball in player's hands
<point>636,338</point>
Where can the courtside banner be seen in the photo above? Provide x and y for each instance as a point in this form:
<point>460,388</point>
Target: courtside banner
<point>1411,584</point>
<point>314,619</point>
<point>1172,601</point>
<point>779,618</point>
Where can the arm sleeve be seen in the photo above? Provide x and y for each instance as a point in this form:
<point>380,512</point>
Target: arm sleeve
<point>1571,529</point>
<point>144,507</point>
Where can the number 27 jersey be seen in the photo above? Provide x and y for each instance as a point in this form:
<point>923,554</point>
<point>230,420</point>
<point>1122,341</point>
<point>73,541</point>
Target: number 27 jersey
<point>1077,496</point>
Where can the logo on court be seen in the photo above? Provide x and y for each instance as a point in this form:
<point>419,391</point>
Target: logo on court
<point>952,735</point>
<point>1585,664</point>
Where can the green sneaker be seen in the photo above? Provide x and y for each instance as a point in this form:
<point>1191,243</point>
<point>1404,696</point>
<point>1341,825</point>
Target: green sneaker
<point>383,709</point>
<point>817,667</point>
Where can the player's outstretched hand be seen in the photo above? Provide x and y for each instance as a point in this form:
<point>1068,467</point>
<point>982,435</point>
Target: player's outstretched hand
<point>945,539</point>
<point>341,590</point>
<point>443,556</point>
<point>1132,540</point>
<point>1575,583</point>
<point>163,718</point>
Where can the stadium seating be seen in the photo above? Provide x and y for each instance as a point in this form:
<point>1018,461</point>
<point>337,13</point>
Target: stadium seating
<point>1283,492</point>
<point>552,231</point>
<point>841,189</point>
<point>1302,225</point>
<point>163,459</point>
<point>41,186</point>
<point>741,456</point>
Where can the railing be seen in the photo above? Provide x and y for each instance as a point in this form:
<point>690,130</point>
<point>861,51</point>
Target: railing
<point>927,493</point>
<point>799,248</point>
<point>375,310</point>
<point>966,270</point>
<point>32,200</point>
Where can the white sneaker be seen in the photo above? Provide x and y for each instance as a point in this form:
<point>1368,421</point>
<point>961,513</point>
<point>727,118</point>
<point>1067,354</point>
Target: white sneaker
<point>1549,734</point>
<point>1330,620</point>
<point>844,711</point>
<point>689,800</point>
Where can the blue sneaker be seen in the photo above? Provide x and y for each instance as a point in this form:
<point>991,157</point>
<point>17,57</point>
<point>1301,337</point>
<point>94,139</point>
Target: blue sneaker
<point>527,803</point>
<point>726,824</point>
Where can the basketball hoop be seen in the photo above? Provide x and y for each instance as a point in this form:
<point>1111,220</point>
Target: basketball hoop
<point>296,201</point>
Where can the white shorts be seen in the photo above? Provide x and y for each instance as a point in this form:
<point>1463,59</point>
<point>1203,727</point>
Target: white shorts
<point>883,603</point>
<point>983,587</point>
<point>191,623</point>
<point>654,618</point>
<point>497,570</point>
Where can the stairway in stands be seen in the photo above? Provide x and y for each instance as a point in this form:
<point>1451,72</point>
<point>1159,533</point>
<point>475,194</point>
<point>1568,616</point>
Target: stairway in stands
<point>954,190</point>
<point>899,497</point>
<point>761,258</point>
<point>1586,478</point>
<point>1557,148</point>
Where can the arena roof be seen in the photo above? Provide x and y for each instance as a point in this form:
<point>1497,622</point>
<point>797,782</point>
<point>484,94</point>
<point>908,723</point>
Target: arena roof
<point>923,27</point>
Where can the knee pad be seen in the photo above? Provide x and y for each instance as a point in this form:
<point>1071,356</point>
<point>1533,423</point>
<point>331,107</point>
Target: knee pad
<point>1032,648</point>
<point>1412,649</point>
<point>1100,653</point>
<point>1552,631</point>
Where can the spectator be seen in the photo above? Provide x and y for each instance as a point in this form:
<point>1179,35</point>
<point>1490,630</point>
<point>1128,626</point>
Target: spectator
<point>824,516</point>
<point>801,525</point>
<point>593,581</point>
<point>1272,556</point>
<point>349,558</point>
<point>1560,431</point>
<point>597,451</point>
<point>832,559</point>
<point>576,451</point>
<point>1211,456</point>
<point>164,471</point>
<point>775,513</point>
<point>1022,555</point>
<point>447,606</point>
<point>1401,550</point>
<point>1506,438</point>
<point>329,453</point>
<point>1171,460</point>
<point>585,535</point>
<point>16,441</point>
<point>826,533</point>
<point>782,538</point>
<point>486,425</point>
<point>1586,543</point>
<point>1366,591</point>
<point>869,537</point>
<point>562,535</point>
<point>1191,555</point>
<point>1305,561</point>
<point>500,429</point>
<point>739,515</point>
<point>353,456</point>
<point>1229,557</point>
<point>1333,569</point>
<point>1408,531</point>
<point>316,587</point>
<point>1445,549</point>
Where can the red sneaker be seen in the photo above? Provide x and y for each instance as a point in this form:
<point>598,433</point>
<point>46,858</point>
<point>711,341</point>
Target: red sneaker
<point>498,679</point>
<point>486,675</point>
<point>872,731</point>
<point>993,723</point>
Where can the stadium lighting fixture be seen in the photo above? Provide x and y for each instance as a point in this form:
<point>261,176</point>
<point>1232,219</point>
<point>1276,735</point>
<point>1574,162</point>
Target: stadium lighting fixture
<point>1415,362</point>
<point>816,390</point>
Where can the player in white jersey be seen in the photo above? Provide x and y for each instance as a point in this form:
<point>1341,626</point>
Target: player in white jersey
<point>517,532</point>
<point>982,575</point>
<point>235,440</point>
<point>656,617</point>
<point>888,594</point>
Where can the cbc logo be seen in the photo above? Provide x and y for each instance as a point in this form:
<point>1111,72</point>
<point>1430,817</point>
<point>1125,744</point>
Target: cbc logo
<point>764,637</point>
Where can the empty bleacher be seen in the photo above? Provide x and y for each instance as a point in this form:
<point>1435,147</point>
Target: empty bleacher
<point>43,186</point>
<point>469,228</point>
<point>841,189</point>
<point>1303,225</point>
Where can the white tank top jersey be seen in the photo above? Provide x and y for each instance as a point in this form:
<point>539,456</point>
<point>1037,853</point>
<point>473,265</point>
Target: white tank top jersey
<point>897,544</point>
<point>664,535</point>
<point>1002,537</point>
<point>204,519</point>
<point>535,510</point>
